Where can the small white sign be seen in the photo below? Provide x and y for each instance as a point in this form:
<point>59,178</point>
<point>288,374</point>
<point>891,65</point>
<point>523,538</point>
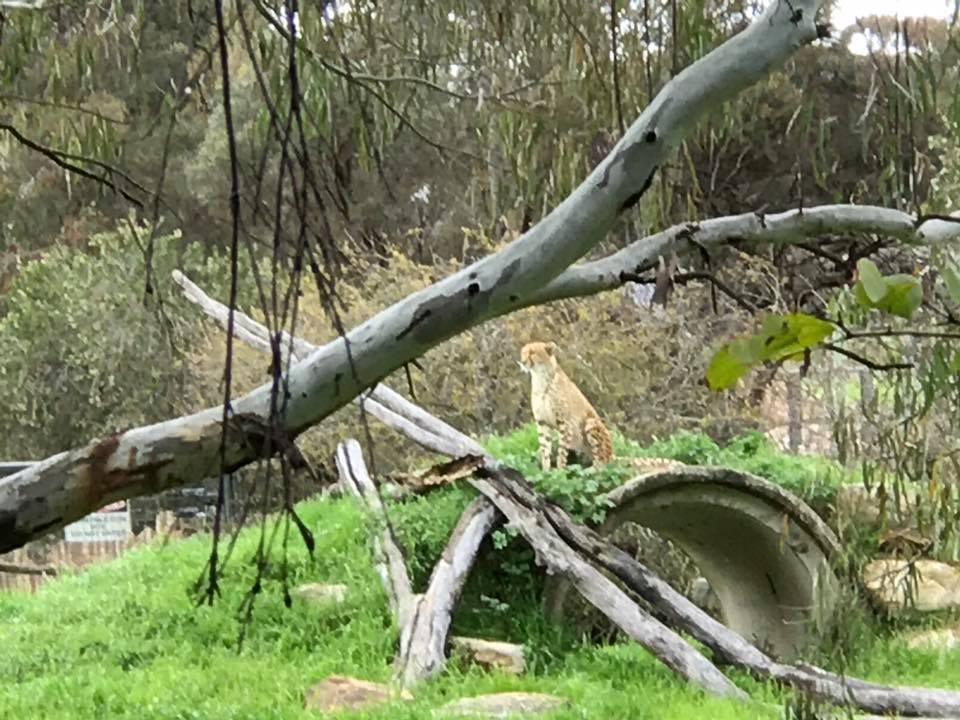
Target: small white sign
<point>111,524</point>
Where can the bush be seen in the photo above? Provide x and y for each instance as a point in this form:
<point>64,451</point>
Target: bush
<point>83,353</point>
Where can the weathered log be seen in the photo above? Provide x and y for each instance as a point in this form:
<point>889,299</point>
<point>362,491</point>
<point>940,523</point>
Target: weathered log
<point>557,555</point>
<point>388,557</point>
<point>671,607</point>
<point>23,569</point>
<point>728,647</point>
<point>147,460</point>
<point>424,619</point>
<point>423,639</point>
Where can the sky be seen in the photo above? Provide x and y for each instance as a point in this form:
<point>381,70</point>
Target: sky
<point>847,11</point>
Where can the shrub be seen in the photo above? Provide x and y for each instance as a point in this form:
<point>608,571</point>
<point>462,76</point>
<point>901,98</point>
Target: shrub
<point>82,353</point>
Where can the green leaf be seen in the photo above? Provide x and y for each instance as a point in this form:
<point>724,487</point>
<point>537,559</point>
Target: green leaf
<point>725,369</point>
<point>871,280</point>
<point>780,337</point>
<point>904,296</point>
<point>952,280</point>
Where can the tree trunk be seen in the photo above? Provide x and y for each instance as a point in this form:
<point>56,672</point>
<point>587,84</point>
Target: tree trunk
<point>794,411</point>
<point>149,459</point>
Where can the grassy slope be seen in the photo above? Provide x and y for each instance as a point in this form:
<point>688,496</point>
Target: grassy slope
<point>124,640</point>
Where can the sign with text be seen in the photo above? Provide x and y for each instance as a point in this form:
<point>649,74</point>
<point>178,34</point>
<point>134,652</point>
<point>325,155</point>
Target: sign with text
<point>110,524</point>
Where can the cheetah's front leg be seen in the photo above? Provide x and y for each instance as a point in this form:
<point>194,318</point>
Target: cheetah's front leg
<point>545,436</point>
<point>564,443</point>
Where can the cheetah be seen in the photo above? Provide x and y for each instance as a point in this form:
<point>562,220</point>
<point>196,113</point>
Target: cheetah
<point>567,424</point>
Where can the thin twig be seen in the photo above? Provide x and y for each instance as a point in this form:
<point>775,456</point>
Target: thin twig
<point>866,362</point>
<point>61,159</point>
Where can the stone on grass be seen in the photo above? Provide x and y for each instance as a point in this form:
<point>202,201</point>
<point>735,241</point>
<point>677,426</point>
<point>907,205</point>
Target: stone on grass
<point>503,705</point>
<point>490,653</point>
<point>321,593</point>
<point>339,692</point>
<point>931,586</point>
<point>939,639</point>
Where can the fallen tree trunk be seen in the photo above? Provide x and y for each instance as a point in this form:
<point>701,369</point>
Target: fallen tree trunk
<point>147,460</point>
<point>425,620</point>
<point>22,569</point>
<point>553,552</point>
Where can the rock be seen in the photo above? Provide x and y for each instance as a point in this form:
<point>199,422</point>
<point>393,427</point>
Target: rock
<point>338,692</point>
<point>321,593</point>
<point>505,656</point>
<point>700,592</point>
<point>857,505</point>
<point>940,639</point>
<point>931,586</point>
<point>503,705</point>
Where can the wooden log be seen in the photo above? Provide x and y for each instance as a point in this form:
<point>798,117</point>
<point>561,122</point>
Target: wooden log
<point>670,606</point>
<point>598,590</point>
<point>423,639</point>
<point>388,556</point>
<point>24,569</point>
<point>728,646</point>
<point>424,620</point>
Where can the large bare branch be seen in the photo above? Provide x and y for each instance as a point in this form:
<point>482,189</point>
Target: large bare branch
<point>792,226</point>
<point>425,619</point>
<point>146,460</point>
<point>385,404</point>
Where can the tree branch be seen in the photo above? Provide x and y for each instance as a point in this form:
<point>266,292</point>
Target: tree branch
<point>670,606</point>
<point>790,227</point>
<point>389,559</point>
<point>62,159</point>
<point>866,362</point>
<point>20,569</point>
<point>146,460</point>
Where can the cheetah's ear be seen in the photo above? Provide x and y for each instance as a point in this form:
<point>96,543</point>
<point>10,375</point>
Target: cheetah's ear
<point>552,348</point>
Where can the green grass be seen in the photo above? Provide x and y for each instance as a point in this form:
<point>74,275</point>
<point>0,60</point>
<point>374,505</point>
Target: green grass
<point>125,639</point>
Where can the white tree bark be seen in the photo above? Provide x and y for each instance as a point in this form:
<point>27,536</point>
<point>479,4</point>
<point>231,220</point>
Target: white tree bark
<point>792,226</point>
<point>146,460</point>
<point>423,639</point>
<point>388,557</point>
<point>425,619</point>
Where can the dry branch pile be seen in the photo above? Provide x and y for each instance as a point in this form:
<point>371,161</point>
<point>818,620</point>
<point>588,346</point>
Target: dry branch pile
<point>569,549</point>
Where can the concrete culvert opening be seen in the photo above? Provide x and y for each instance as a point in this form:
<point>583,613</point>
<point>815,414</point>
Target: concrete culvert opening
<point>763,552</point>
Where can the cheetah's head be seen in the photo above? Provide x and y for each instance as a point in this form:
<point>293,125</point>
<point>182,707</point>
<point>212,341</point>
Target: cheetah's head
<point>538,357</point>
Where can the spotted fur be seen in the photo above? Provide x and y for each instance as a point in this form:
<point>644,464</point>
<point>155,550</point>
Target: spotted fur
<point>567,424</point>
